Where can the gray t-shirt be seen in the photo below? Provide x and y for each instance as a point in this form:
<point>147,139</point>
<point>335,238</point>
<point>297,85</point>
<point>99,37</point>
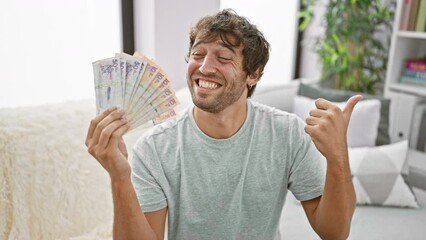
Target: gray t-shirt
<point>226,188</point>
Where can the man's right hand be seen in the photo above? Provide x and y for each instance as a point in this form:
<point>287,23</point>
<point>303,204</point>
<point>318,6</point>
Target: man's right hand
<point>105,142</point>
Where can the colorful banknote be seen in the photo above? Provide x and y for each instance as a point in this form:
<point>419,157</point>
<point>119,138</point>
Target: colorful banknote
<point>136,84</point>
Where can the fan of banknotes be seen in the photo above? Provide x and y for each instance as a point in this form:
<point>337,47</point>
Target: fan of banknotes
<point>136,84</point>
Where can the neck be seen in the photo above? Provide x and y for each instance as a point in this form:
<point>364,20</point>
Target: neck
<point>224,124</point>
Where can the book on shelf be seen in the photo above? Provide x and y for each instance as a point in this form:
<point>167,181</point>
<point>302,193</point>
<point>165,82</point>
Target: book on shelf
<point>421,17</point>
<point>412,20</point>
<point>413,81</point>
<point>409,15</point>
<point>418,64</point>
<point>413,16</point>
<point>414,72</point>
<point>405,14</point>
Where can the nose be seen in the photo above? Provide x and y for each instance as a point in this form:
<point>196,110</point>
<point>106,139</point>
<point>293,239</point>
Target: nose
<point>208,66</point>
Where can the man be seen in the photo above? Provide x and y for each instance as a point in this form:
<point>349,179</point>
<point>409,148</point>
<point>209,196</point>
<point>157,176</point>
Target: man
<point>222,170</point>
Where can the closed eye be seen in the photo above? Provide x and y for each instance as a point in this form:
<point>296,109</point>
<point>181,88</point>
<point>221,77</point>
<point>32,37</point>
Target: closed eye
<point>224,59</point>
<point>197,55</point>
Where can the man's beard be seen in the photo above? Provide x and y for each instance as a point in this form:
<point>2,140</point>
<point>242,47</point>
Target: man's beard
<point>219,102</point>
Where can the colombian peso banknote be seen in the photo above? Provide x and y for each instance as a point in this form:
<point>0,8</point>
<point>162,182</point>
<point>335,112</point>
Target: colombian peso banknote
<point>137,85</point>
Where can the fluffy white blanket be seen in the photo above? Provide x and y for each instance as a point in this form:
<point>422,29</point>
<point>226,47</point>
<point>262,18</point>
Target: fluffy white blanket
<point>50,187</point>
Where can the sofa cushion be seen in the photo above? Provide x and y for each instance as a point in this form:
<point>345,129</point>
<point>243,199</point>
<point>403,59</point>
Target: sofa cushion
<point>362,129</point>
<point>377,175</point>
<point>314,91</point>
<point>51,187</point>
<point>278,95</point>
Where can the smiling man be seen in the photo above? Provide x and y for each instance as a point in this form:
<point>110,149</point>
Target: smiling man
<point>222,170</point>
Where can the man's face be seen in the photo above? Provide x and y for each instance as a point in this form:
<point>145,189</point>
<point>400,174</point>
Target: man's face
<point>215,75</point>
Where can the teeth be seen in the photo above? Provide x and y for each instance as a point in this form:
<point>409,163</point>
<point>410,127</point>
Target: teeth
<point>208,85</point>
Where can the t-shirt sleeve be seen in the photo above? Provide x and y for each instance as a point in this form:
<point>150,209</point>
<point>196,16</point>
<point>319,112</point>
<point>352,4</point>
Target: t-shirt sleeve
<point>307,174</point>
<point>145,169</point>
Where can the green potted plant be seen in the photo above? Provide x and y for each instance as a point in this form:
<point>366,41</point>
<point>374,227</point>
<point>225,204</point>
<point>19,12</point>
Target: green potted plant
<point>354,49</point>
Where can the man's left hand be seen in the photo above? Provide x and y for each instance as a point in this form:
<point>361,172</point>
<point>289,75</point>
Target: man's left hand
<point>328,124</point>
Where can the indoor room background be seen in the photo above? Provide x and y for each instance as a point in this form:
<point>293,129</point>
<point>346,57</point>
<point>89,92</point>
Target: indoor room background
<point>48,46</point>
<point>51,188</point>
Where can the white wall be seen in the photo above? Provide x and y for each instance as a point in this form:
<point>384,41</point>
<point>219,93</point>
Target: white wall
<point>47,48</point>
<point>161,31</point>
<point>278,21</point>
<point>310,66</point>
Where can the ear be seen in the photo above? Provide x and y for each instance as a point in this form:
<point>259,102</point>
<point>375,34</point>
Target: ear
<point>252,78</point>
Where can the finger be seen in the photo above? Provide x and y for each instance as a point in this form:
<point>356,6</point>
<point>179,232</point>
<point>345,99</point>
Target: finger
<point>349,107</point>
<point>108,131</point>
<point>112,116</point>
<point>317,113</point>
<point>309,129</point>
<point>117,137</point>
<point>95,121</point>
<point>323,104</point>
<point>313,121</point>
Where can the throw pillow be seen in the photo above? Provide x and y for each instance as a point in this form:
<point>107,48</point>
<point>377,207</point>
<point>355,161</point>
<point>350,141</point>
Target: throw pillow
<point>362,129</point>
<point>377,175</point>
<point>314,91</point>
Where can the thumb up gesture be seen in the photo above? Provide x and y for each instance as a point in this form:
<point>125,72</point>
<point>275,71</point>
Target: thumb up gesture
<point>328,124</point>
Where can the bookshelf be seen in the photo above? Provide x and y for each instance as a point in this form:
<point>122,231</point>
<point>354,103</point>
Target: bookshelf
<point>404,97</point>
<point>411,34</point>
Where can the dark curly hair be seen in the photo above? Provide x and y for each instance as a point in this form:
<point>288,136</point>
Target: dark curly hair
<point>235,31</point>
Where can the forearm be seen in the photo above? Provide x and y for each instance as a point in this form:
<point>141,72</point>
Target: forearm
<point>335,210</point>
<point>129,220</point>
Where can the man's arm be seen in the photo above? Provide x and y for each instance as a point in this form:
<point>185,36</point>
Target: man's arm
<point>129,220</point>
<point>330,215</point>
<point>105,142</point>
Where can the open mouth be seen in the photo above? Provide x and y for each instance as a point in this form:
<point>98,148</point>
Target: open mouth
<point>207,84</point>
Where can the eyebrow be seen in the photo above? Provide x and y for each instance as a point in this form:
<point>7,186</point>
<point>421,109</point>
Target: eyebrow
<point>220,43</point>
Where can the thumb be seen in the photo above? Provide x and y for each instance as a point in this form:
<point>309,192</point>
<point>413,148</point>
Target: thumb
<point>349,107</point>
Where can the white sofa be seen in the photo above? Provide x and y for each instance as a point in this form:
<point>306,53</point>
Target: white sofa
<point>51,188</point>
<point>369,222</point>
